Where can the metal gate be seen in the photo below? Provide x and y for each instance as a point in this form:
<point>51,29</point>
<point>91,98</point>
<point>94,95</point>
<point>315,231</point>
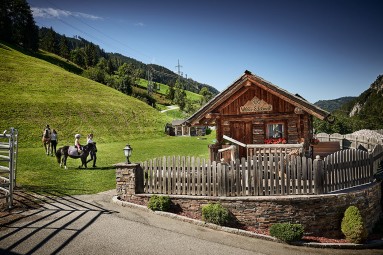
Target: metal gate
<point>8,159</point>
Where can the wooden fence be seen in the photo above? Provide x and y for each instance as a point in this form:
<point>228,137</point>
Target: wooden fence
<point>261,175</point>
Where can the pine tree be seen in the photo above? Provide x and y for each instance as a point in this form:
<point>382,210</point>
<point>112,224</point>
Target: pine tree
<point>48,40</point>
<point>64,48</point>
<point>17,24</point>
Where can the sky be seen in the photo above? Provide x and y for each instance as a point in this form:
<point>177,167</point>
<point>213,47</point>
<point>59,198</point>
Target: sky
<point>320,49</point>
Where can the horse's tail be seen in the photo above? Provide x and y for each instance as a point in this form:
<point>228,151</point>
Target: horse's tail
<point>58,155</point>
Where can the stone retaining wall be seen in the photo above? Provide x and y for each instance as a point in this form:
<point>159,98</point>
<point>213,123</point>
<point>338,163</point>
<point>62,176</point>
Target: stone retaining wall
<point>321,215</point>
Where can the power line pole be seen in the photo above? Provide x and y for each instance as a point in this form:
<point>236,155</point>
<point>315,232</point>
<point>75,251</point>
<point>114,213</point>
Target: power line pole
<point>179,66</point>
<point>179,74</point>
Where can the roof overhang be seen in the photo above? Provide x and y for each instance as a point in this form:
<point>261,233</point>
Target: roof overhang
<point>208,113</point>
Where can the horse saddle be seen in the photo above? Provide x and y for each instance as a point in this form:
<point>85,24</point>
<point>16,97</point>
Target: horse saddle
<point>72,151</point>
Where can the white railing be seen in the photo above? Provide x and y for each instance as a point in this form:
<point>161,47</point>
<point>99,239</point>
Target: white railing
<point>8,162</point>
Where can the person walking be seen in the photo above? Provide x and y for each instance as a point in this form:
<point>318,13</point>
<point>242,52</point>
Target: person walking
<point>93,152</point>
<point>54,142</point>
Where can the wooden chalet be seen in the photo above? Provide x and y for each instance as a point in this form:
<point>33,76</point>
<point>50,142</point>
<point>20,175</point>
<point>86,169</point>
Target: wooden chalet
<point>254,111</point>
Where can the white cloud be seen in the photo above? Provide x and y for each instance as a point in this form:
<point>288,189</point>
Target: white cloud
<point>139,24</point>
<point>57,13</point>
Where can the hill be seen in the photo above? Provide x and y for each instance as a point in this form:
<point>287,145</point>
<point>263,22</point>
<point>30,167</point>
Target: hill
<point>335,104</point>
<point>35,92</point>
<point>362,112</point>
<point>367,108</point>
<point>86,54</point>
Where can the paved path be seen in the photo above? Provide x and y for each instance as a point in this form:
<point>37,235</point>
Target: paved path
<point>169,108</point>
<point>93,224</point>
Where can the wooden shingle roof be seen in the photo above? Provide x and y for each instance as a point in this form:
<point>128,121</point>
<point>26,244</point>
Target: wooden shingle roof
<point>248,79</point>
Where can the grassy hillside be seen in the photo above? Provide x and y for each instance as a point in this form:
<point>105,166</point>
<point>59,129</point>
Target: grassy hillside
<point>35,92</point>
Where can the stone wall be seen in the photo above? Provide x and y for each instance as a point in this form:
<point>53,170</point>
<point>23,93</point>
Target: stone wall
<point>321,215</point>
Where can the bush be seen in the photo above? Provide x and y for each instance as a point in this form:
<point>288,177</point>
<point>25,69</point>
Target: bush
<point>216,213</point>
<point>159,203</point>
<point>287,232</point>
<point>353,226</point>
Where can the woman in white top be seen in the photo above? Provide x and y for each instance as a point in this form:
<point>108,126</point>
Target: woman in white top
<point>92,153</point>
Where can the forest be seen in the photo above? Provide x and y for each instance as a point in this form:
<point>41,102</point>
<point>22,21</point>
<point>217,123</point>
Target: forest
<point>111,69</point>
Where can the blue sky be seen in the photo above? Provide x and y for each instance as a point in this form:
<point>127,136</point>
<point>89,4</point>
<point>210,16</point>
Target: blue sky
<point>319,49</point>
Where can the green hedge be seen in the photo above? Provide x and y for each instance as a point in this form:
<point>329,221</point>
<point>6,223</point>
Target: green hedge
<point>216,213</point>
<point>287,232</point>
<point>159,203</point>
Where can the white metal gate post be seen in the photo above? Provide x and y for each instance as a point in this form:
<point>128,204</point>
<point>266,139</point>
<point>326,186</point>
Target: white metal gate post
<point>8,173</point>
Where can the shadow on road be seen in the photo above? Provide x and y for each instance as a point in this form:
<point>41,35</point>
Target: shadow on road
<point>45,221</point>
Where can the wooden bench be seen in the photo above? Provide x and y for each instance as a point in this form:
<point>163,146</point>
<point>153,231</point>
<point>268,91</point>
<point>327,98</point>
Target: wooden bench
<point>324,149</point>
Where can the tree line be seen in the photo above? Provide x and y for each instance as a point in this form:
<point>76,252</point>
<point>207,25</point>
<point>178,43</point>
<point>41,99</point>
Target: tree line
<point>18,27</point>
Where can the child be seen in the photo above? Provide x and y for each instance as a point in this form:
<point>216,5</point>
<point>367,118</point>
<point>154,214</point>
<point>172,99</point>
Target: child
<point>77,143</point>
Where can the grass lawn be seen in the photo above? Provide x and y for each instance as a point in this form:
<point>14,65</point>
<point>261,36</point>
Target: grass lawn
<point>38,89</point>
<point>41,173</point>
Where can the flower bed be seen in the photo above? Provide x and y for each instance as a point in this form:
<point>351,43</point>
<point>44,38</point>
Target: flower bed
<point>275,141</point>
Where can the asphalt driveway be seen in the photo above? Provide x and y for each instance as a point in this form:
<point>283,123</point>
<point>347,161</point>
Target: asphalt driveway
<point>94,224</point>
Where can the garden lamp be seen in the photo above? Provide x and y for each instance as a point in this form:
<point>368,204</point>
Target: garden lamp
<point>128,152</point>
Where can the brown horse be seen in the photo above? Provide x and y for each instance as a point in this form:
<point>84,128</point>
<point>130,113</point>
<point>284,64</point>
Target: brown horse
<point>47,144</point>
<point>46,139</point>
<point>63,153</point>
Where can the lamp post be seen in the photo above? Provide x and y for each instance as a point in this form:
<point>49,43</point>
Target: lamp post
<point>128,152</point>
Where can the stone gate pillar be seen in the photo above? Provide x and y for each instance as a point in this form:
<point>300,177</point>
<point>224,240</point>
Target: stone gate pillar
<point>129,179</point>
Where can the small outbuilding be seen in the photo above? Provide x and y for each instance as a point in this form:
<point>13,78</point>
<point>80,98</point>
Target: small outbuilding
<point>255,111</point>
<point>180,128</point>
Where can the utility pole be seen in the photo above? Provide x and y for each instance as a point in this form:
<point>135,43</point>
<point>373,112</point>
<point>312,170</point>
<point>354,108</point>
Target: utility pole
<point>179,74</point>
<point>179,66</point>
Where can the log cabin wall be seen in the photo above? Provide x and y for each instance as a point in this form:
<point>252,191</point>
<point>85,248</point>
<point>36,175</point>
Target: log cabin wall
<point>250,127</point>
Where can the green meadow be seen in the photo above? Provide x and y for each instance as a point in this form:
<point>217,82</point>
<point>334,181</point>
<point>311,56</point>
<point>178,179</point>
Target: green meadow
<point>37,90</point>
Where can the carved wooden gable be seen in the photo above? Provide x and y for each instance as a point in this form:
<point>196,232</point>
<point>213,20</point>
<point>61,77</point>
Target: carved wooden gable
<point>256,105</point>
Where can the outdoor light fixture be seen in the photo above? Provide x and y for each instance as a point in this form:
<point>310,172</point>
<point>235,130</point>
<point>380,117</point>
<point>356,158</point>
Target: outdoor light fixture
<point>128,152</point>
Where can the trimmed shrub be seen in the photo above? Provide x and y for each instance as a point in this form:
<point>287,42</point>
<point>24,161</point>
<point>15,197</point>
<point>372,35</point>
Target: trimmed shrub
<point>353,226</point>
<point>216,213</point>
<point>287,232</point>
<point>159,203</point>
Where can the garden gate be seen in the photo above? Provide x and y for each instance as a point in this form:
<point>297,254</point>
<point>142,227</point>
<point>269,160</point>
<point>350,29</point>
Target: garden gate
<point>8,159</point>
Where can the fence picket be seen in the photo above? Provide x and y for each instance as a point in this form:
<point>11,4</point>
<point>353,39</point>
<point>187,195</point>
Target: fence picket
<point>214,170</point>
<point>175,165</point>
<point>271,173</point>
<point>232,179</point>
<point>220,187</point>
<point>304,175</point>
<point>203,177</point>
<point>299,175</point>
<point>198,176</point>
<point>237,178</point>
<point>310,176</point>
<point>249,176</point>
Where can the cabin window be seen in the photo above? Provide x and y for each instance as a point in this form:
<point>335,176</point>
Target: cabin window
<point>275,130</point>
